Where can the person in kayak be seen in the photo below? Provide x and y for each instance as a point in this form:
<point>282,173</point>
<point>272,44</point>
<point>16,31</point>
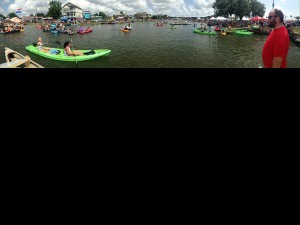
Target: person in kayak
<point>40,45</point>
<point>68,52</point>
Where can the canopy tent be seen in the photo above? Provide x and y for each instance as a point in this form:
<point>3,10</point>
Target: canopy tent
<point>16,20</point>
<point>245,19</point>
<point>219,18</point>
<point>290,20</point>
<point>63,19</point>
<point>258,18</point>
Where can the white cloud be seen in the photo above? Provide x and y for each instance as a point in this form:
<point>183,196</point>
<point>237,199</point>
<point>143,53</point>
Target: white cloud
<point>169,7</point>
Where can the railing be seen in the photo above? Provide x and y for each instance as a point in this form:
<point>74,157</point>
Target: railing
<point>68,10</point>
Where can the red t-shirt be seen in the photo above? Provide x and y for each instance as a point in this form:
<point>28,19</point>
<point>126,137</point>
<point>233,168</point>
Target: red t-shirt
<point>277,45</point>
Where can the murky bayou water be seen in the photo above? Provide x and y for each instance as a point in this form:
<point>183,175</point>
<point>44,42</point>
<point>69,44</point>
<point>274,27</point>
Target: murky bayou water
<point>149,46</point>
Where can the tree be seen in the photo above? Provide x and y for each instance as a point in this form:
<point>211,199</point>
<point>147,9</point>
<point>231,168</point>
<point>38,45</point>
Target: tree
<point>102,14</point>
<point>55,9</point>
<point>221,7</point>
<point>12,15</point>
<point>122,13</point>
<point>242,8</point>
<point>31,15</point>
<point>2,16</point>
<point>239,8</point>
<point>257,8</point>
<point>40,15</point>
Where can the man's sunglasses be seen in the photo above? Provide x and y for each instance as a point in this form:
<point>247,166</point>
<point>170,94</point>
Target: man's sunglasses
<point>270,17</point>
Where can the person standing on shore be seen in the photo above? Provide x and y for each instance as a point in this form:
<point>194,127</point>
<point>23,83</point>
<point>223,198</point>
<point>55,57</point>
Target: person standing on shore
<point>276,47</point>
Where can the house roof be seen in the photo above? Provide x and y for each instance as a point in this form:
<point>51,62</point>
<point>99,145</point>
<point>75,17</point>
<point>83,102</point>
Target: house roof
<point>69,3</point>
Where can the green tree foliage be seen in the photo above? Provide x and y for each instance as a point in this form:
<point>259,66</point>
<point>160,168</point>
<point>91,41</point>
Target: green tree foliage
<point>239,8</point>
<point>102,14</point>
<point>2,16</point>
<point>242,8</point>
<point>122,13</point>
<point>55,9</point>
<point>31,15</point>
<point>220,7</point>
<point>257,8</point>
<point>12,15</point>
<point>40,15</point>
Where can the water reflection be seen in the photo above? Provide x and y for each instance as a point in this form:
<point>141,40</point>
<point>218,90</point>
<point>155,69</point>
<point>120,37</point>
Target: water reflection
<point>148,46</point>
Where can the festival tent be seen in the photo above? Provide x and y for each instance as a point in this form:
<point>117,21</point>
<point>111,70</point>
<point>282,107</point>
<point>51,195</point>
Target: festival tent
<point>290,20</point>
<point>16,20</point>
<point>218,18</point>
<point>258,18</point>
<point>245,18</point>
<point>221,18</point>
<point>63,19</point>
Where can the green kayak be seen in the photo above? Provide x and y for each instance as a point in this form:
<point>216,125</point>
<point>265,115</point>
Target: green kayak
<point>243,32</point>
<point>204,32</point>
<point>58,54</point>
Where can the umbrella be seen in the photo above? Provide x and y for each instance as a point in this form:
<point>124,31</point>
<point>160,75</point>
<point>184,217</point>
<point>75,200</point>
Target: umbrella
<point>258,18</point>
<point>15,20</point>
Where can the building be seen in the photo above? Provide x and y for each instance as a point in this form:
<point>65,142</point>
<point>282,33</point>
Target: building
<point>72,12</point>
<point>87,15</point>
<point>142,15</point>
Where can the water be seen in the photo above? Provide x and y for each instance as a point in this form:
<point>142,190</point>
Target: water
<point>149,46</point>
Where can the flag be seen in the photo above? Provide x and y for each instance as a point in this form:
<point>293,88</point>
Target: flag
<point>19,10</point>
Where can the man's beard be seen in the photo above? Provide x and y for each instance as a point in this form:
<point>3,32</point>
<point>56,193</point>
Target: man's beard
<point>272,25</point>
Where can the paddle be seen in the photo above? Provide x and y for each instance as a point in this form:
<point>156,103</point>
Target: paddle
<point>74,53</point>
<point>56,42</point>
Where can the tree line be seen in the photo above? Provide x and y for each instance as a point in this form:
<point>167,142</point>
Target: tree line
<point>239,8</point>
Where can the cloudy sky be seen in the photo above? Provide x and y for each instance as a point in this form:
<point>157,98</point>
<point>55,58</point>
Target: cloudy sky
<point>194,8</point>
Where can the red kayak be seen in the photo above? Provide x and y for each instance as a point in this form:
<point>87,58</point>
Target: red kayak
<point>85,31</point>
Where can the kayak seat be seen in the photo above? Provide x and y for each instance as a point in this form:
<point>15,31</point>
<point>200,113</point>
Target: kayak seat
<point>92,52</point>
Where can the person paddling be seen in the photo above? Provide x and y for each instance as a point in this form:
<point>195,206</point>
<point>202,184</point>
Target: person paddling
<point>68,52</point>
<point>41,45</point>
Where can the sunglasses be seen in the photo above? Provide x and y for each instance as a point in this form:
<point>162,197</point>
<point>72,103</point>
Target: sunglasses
<point>270,17</point>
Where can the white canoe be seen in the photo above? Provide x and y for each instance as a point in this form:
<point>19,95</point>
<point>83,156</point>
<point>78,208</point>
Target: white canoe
<point>17,60</point>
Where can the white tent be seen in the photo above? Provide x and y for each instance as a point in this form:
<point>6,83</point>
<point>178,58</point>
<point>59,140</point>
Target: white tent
<point>290,20</point>
<point>221,18</point>
<point>245,18</point>
<point>16,20</point>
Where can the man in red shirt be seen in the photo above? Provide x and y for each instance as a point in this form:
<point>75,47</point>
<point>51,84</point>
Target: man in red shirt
<point>276,47</point>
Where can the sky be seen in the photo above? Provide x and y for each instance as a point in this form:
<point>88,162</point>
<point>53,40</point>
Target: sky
<point>185,8</point>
